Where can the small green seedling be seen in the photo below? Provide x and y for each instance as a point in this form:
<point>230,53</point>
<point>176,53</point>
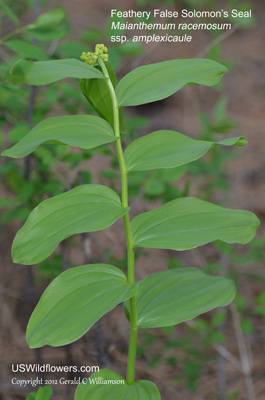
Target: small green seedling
<point>80,296</point>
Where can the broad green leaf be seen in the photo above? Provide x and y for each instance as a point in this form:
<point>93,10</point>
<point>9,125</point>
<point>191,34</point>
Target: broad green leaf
<point>83,131</point>
<point>44,72</point>
<point>86,208</point>
<point>43,393</point>
<point>48,20</point>
<point>157,81</point>
<point>170,297</point>
<point>49,26</point>
<point>97,94</point>
<point>169,149</point>
<point>26,50</point>
<point>97,388</point>
<point>186,223</point>
<point>48,35</point>
<point>74,301</point>
<point>7,10</point>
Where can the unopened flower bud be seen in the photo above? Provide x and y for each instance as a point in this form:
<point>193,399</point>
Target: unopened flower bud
<point>92,58</point>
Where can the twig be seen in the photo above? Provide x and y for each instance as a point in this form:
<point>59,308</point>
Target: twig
<point>52,47</point>
<point>222,351</point>
<point>217,41</point>
<point>222,380</point>
<point>228,356</point>
<point>10,34</point>
<point>198,257</point>
<point>221,360</point>
<point>145,56</point>
<point>243,351</point>
<point>87,247</point>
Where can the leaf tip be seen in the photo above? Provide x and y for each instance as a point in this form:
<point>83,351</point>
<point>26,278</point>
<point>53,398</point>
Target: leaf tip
<point>15,257</point>
<point>19,70</point>
<point>32,343</point>
<point>10,153</point>
<point>242,141</point>
<point>4,153</point>
<point>29,340</point>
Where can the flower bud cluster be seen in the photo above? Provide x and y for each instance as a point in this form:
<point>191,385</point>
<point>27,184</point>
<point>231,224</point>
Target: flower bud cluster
<point>92,58</point>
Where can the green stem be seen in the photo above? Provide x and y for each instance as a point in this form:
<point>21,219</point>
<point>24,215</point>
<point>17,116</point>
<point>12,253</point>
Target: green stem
<point>127,226</point>
<point>11,34</point>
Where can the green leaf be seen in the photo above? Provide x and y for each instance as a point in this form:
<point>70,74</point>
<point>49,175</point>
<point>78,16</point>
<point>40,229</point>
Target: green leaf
<point>111,73</point>
<point>43,393</point>
<point>97,388</point>
<point>44,72</point>
<point>170,297</point>
<point>26,50</point>
<point>48,20</point>
<point>49,26</point>
<point>169,149</point>
<point>157,81</point>
<point>46,156</point>
<point>9,12</point>
<point>218,319</point>
<point>83,131</point>
<point>154,187</point>
<point>48,35</point>
<point>97,94</point>
<point>86,208</point>
<point>74,301</point>
<point>186,223</point>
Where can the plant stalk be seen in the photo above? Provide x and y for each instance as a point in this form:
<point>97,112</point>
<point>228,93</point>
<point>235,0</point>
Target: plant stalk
<point>127,226</point>
<point>3,39</point>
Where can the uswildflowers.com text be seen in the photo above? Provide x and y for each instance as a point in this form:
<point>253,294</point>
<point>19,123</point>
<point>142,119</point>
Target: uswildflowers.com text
<point>52,368</point>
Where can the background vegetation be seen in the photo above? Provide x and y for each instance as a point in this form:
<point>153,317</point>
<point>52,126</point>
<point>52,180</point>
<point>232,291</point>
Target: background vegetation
<point>214,357</point>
